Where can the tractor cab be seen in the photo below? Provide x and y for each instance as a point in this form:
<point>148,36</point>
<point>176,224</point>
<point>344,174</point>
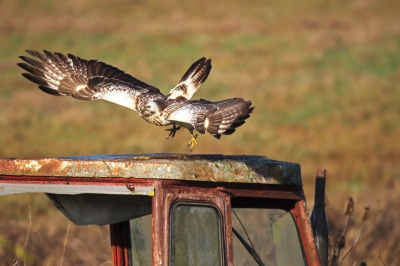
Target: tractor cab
<point>179,209</point>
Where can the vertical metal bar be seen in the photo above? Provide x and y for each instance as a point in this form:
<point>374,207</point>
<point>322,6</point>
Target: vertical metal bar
<point>318,217</point>
<point>159,239</point>
<point>120,243</point>
<point>305,232</point>
<point>114,246</point>
<point>228,229</point>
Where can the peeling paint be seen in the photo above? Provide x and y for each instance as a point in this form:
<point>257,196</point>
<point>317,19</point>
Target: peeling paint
<point>34,165</point>
<point>218,168</point>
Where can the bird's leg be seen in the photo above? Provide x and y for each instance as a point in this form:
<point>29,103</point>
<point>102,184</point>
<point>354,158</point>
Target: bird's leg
<point>193,141</point>
<point>173,131</point>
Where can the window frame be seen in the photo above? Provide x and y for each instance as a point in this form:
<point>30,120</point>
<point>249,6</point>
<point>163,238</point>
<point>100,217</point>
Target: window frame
<point>223,196</point>
<point>200,204</point>
<point>195,193</point>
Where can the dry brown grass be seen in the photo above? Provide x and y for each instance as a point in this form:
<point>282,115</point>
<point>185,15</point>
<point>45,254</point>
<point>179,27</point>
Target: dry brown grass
<point>323,76</point>
<point>378,243</point>
<point>86,245</point>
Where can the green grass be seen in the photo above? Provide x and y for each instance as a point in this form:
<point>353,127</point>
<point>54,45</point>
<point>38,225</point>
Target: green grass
<point>323,76</point>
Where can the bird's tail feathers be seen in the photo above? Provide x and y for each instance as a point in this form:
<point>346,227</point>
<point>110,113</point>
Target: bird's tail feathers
<point>226,117</point>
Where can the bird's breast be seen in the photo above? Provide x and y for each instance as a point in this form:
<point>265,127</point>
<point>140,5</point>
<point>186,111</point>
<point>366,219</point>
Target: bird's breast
<point>157,120</point>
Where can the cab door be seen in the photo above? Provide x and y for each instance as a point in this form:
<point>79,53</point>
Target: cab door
<point>204,223</point>
<point>197,225</point>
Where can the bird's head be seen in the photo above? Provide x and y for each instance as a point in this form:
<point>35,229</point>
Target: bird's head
<point>148,108</point>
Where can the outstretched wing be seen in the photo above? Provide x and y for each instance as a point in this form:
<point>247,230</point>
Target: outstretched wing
<point>67,75</point>
<point>192,80</point>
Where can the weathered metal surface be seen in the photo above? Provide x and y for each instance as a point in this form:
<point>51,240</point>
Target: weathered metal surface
<point>218,168</point>
<point>198,195</point>
<point>13,188</point>
<point>221,195</point>
<point>305,231</point>
<point>159,223</point>
<point>318,217</point>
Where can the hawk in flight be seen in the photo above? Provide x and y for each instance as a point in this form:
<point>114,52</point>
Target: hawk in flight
<point>67,75</point>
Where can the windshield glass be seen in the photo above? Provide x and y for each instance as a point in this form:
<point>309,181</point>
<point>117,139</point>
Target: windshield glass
<point>196,235</point>
<point>265,237</point>
<point>140,229</point>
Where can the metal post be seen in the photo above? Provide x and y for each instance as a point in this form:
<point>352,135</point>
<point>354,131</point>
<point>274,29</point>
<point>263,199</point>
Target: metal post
<point>318,217</point>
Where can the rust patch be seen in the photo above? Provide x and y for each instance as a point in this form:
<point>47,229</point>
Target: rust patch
<point>130,187</point>
<point>199,167</point>
<point>306,234</point>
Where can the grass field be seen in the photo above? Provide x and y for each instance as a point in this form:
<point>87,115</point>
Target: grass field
<point>324,77</point>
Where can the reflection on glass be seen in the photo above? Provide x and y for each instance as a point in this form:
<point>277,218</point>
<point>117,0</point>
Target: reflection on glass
<point>271,234</point>
<point>141,240</point>
<point>195,236</point>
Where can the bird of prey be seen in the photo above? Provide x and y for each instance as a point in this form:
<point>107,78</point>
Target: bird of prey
<point>68,75</point>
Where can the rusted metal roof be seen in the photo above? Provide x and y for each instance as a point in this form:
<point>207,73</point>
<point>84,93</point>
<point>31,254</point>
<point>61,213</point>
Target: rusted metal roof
<point>218,168</point>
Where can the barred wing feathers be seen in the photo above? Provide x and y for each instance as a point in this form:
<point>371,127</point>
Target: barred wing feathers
<point>192,79</point>
<point>67,75</point>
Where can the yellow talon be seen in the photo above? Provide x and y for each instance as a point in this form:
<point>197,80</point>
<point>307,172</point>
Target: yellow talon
<point>193,141</point>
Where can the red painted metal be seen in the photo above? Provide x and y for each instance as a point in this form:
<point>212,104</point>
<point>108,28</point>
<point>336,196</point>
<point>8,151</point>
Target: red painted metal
<point>246,190</point>
<point>305,231</point>
<point>220,199</point>
<point>120,244</point>
<point>116,181</point>
<point>160,243</point>
<point>167,191</point>
<point>228,229</point>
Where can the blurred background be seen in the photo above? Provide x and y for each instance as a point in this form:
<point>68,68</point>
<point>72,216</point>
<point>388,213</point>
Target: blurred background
<point>324,77</point>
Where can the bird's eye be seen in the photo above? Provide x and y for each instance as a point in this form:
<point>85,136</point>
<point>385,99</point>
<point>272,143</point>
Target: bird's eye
<point>148,106</point>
